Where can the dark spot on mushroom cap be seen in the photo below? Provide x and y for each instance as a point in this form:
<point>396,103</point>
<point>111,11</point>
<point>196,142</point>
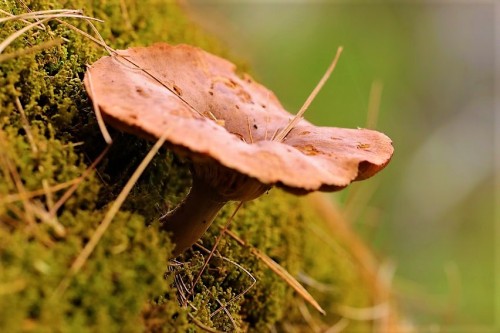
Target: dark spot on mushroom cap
<point>177,90</point>
<point>141,92</point>
<point>231,83</point>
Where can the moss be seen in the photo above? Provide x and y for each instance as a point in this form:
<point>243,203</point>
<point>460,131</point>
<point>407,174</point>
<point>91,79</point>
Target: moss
<point>123,286</point>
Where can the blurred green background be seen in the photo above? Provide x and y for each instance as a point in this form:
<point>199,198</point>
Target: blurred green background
<point>432,211</point>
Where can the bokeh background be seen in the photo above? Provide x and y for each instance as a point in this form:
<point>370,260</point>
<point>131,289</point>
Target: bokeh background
<point>428,67</point>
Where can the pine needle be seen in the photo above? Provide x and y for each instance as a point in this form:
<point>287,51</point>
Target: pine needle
<point>77,182</point>
<point>280,271</point>
<point>31,194</point>
<point>34,49</point>
<point>97,110</point>
<point>374,104</point>
<point>282,135</point>
<point>339,326</point>
<point>18,33</point>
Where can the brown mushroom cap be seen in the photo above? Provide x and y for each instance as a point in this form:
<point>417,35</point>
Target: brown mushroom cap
<point>214,115</point>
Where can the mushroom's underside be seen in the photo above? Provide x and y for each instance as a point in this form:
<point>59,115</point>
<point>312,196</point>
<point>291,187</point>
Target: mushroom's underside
<point>225,124</point>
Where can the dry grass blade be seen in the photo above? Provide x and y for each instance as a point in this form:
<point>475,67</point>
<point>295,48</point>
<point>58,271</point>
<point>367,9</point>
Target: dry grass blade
<point>360,252</point>
<point>203,326</point>
<point>164,85</point>
<point>292,282</point>
<point>368,265</point>
<point>13,287</point>
<point>103,43</point>
<point>385,276</point>
<point>309,281</point>
<point>357,197</point>
<point>99,41</point>
<point>281,272</point>
<point>26,126</point>
<point>66,14</point>
<point>44,216</point>
<point>20,19</point>
<point>97,110</point>
<point>31,194</point>
<point>125,15</point>
<point>39,14</point>
<point>306,314</point>
<point>339,326</point>
<point>281,135</point>
<point>48,194</point>
<point>101,229</point>
<point>18,33</point>
<point>10,170</point>
<point>78,180</point>
<point>374,104</point>
<point>34,49</point>
<point>364,314</point>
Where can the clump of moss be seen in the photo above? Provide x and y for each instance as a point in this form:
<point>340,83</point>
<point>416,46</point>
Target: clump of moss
<point>49,136</point>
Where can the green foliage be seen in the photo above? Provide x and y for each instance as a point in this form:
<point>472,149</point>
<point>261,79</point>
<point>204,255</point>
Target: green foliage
<point>122,287</point>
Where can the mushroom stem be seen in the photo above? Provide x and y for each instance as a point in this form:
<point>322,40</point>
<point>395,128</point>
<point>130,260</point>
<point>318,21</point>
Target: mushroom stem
<point>192,217</point>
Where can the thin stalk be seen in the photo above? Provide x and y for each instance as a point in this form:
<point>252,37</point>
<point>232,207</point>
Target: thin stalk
<point>282,135</point>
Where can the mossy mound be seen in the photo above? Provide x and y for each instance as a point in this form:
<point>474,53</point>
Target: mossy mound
<point>49,137</point>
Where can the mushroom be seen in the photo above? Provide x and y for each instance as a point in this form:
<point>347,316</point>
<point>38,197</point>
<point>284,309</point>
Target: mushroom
<point>227,126</point>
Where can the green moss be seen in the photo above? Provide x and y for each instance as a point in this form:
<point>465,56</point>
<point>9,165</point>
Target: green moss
<point>123,286</point>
